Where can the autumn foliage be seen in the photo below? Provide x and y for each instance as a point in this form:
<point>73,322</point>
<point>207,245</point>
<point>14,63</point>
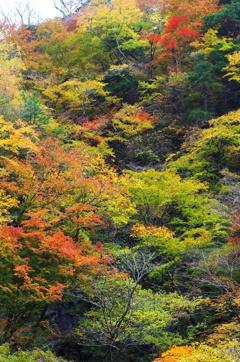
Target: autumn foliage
<point>119,183</point>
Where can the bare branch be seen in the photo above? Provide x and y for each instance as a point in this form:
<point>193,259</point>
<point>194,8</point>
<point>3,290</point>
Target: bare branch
<point>69,7</point>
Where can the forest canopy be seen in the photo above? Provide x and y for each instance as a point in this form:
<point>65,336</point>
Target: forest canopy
<point>119,183</point>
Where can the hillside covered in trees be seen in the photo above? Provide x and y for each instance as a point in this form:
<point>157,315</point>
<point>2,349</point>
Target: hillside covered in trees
<point>120,184</point>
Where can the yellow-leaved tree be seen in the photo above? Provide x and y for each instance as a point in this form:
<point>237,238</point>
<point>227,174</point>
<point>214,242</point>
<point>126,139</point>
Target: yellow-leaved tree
<point>11,66</point>
<point>233,68</point>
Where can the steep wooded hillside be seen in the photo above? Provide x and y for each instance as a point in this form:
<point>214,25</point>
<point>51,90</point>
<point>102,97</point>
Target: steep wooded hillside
<point>119,174</point>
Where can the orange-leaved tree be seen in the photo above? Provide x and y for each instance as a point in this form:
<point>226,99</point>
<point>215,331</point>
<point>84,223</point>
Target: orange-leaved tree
<point>39,262</point>
<point>53,198</point>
